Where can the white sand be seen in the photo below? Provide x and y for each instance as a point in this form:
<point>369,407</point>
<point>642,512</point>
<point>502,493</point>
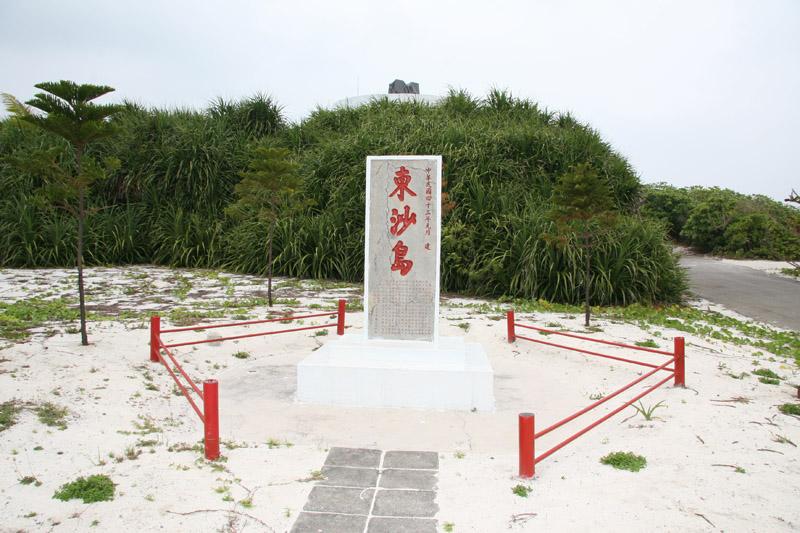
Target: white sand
<point>771,267</point>
<point>105,387</point>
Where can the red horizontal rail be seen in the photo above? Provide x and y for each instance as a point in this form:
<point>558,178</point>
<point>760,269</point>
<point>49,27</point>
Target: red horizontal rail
<point>597,423</point>
<point>183,389</point>
<point>610,343</point>
<point>249,335</point>
<point>180,368</point>
<point>640,363</point>
<point>602,400</point>
<point>282,319</point>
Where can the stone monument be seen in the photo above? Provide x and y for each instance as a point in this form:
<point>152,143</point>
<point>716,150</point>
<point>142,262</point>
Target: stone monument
<point>400,360</point>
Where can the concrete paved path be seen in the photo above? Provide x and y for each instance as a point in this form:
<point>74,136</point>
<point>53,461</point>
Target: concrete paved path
<point>755,294</point>
<point>370,491</point>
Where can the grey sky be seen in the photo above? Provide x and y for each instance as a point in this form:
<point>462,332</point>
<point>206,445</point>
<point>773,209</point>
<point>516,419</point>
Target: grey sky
<point>692,92</point>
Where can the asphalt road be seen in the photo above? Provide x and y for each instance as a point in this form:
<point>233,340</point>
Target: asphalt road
<point>755,294</point>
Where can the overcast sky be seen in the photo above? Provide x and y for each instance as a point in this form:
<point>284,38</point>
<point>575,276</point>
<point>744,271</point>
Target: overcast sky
<point>691,92</point>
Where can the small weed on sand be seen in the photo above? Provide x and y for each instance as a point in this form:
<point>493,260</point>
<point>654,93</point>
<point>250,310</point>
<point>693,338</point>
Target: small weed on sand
<point>97,488</point>
<point>647,412</point>
<point>521,490</point>
<point>625,461</point>
<point>649,343</point>
<point>315,475</point>
<point>782,440</point>
<point>767,376</point>
<point>790,409</point>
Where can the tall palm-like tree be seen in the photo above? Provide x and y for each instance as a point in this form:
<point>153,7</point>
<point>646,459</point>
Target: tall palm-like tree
<point>72,115</point>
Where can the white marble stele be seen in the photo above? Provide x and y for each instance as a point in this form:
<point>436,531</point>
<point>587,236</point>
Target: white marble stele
<point>400,360</point>
<point>353,371</point>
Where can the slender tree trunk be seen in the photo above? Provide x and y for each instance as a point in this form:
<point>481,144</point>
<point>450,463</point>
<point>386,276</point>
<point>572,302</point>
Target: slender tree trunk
<point>588,266</point>
<point>269,259</point>
<point>81,215</point>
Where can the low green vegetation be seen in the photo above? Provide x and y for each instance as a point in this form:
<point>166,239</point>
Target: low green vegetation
<point>767,376</point>
<point>17,318</point>
<point>790,409</point>
<point>625,461</point>
<point>521,490</point>
<point>8,414</point>
<point>97,488</point>
<point>52,414</point>
<point>649,343</point>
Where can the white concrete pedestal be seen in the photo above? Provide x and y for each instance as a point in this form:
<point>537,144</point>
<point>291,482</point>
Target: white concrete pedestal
<point>448,375</point>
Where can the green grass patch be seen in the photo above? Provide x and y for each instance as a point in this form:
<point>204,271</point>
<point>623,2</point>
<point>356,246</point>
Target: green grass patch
<point>8,414</point>
<point>625,461</point>
<point>53,415</point>
<point>98,488</point>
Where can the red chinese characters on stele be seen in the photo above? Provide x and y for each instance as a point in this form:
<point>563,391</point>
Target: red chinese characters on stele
<point>401,221</point>
<point>402,178</point>
<point>400,262</point>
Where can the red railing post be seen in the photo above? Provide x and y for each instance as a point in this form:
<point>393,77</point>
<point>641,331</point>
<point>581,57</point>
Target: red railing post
<point>510,323</point>
<point>527,457</point>
<point>211,418</point>
<point>680,357</point>
<point>340,325</point>
<point>155,336</point>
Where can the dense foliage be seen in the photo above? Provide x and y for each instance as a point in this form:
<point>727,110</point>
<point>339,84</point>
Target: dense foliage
<point>724,222</point>
<point>503,156</point>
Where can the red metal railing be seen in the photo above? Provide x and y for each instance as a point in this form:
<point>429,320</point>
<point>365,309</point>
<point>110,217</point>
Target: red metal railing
<point>527,431</point>
<point>209,415</point>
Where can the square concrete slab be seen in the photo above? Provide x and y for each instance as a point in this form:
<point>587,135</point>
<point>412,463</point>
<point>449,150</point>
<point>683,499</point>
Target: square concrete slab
<point>406,503</point>
<point>401,525</point>
<point>343,476</point>
<point>329,523</point>
<point>408,479</point>
<point>360,457</point>
<point>426,460</point>
<point>341,500</point>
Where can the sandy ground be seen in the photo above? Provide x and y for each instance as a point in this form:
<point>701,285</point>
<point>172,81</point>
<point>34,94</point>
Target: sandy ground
<point>720,456</point>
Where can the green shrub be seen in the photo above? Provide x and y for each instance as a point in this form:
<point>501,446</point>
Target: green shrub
<point>97,488</point>
<point>724,222</point>
<point>503,155</point>
<point>625,461</point>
